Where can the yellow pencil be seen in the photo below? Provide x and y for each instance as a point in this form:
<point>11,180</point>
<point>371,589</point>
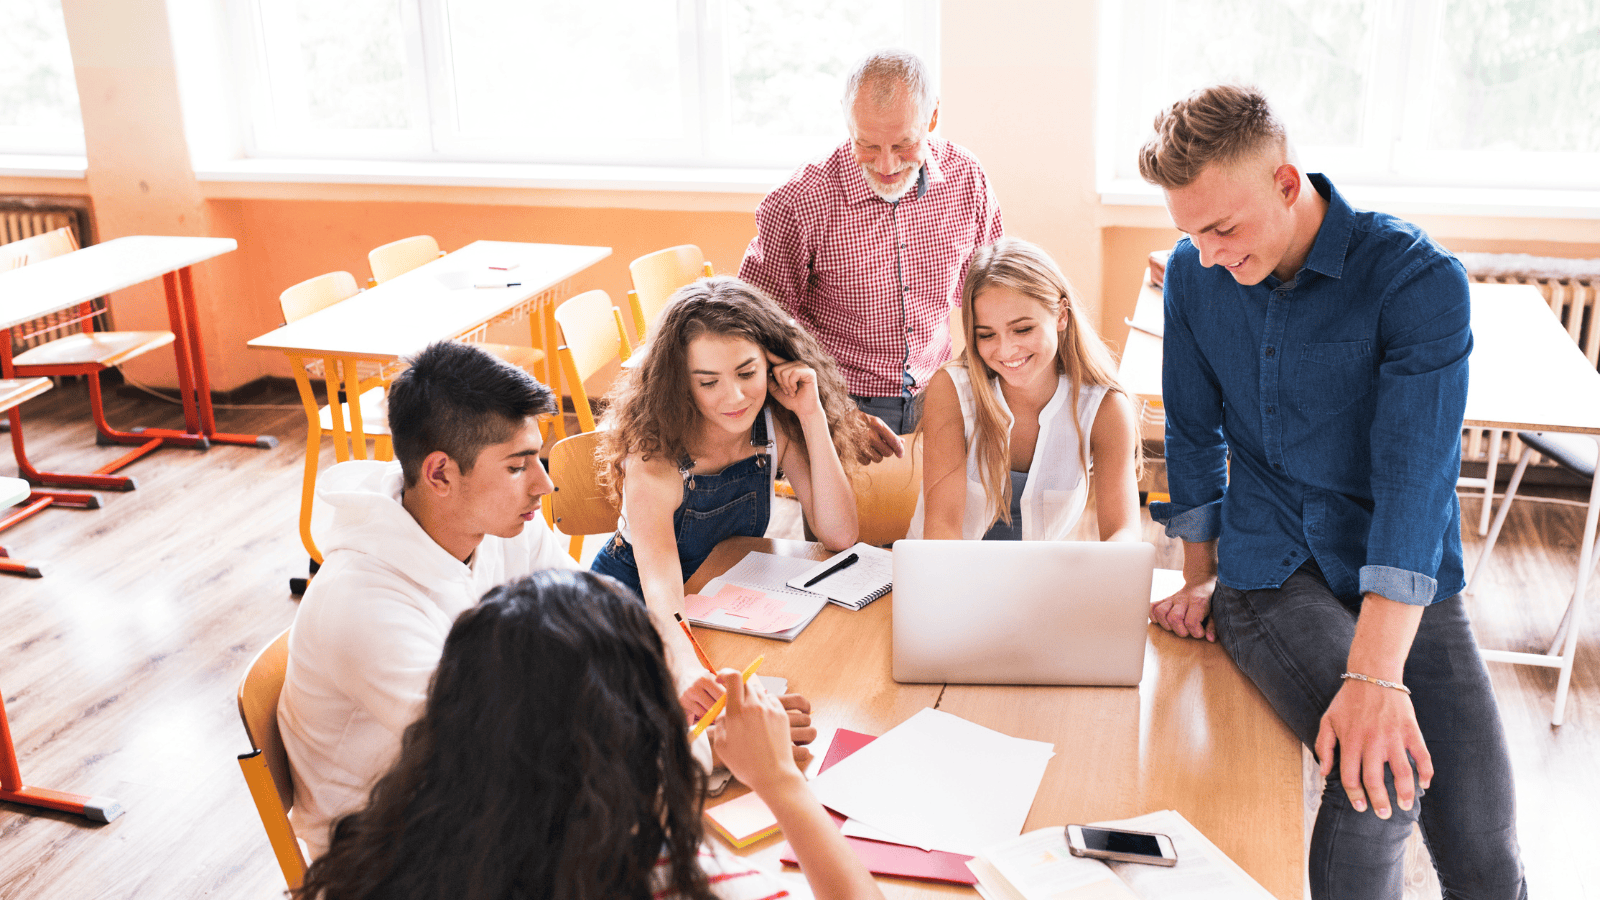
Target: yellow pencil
<point>716,708</point>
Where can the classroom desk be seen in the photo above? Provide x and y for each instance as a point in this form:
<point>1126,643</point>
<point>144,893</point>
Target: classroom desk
<point>1529,375</point>
<point>1195,736</point>
<point>401,316</point>
<point>46,287</point>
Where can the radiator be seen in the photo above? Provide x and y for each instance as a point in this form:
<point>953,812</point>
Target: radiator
<point>24,217</point>
<point>1572,288</point>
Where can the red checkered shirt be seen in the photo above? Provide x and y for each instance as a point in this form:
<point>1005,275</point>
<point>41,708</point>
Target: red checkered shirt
<point>826,250</point>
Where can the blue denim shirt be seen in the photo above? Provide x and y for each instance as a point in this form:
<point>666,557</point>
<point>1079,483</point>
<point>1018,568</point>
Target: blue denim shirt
<point>1321,416</point>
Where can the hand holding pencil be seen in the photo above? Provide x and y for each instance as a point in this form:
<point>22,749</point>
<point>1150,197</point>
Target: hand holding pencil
<point>752,737</point>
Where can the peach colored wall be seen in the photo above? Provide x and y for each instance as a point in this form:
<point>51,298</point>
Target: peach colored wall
<point>282,242</point>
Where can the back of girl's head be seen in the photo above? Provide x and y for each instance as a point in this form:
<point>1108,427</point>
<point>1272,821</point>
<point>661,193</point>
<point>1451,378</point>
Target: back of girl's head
<point>652,409</point>
<point>551,759</point>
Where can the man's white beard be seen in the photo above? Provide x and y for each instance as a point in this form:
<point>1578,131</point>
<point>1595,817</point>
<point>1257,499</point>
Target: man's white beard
<point>891,194</point>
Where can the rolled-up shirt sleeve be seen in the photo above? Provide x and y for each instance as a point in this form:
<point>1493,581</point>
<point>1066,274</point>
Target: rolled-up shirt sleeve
<point>1196,451</point>
<point>1416,432</point>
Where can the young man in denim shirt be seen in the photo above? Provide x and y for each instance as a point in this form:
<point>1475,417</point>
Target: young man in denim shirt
<point>1314,377</point>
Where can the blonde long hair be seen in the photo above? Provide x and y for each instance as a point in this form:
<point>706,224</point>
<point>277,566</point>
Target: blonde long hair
<point>1080,354</point>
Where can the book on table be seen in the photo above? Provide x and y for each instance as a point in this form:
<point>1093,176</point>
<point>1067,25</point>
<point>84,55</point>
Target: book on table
<point>752,598</point>
<point>1038,866</point>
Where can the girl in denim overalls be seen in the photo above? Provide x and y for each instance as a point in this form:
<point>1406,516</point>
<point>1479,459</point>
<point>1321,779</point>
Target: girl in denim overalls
<point>731,391</point>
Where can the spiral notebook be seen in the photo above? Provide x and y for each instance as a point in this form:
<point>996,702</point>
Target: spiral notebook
<point>871,576</point>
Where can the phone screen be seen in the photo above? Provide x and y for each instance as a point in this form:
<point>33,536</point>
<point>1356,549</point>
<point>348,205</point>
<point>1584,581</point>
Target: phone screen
<point>1121,842</point>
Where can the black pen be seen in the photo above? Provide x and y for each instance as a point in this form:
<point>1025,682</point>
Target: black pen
<point>839,566</point>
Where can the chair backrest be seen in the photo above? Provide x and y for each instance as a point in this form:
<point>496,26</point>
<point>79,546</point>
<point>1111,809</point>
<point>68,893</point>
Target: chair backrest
<point>38,248</point>
<point>317,293</point>
<point>591,336</point>
<point>258,709</point>
<point>886,495</point>
<point>656,276</point>
<point>400,257</point>
<point>266,768</point>
<point>578,504</point>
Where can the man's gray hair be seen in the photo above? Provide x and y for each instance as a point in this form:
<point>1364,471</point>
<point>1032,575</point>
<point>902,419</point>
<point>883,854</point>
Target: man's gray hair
<point>888,75</point>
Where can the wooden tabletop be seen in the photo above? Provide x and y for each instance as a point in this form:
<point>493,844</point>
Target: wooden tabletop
<point>1194,736</point>
<point>41,288</point>
<point>403,315</point>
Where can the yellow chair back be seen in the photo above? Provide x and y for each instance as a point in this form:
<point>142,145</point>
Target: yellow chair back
<point>656,276</point>
<point>399,257</point>
<point>266,767</point>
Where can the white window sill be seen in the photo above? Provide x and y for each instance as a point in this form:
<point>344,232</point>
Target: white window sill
<point>497,175</point>
<point>39,166</point>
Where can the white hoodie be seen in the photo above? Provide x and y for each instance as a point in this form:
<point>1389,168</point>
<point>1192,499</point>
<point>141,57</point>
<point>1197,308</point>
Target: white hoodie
<point>369,633</point>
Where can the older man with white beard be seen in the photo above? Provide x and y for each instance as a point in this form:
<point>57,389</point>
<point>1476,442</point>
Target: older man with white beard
<point>867,248</point>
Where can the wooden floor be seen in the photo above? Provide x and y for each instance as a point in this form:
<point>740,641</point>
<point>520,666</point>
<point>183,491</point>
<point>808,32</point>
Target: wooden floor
<point>119,667</point>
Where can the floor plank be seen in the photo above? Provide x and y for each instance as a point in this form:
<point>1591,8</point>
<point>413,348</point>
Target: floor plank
<point>119,667</point>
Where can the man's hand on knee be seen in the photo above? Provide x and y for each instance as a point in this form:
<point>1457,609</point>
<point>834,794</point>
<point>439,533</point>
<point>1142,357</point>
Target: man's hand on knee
<point>1373,726</point>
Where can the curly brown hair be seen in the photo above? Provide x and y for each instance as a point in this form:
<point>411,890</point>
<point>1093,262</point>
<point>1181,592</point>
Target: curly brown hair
<point>651,410</point>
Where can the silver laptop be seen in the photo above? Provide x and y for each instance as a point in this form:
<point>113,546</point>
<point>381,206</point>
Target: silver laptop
<point>1021,612</point>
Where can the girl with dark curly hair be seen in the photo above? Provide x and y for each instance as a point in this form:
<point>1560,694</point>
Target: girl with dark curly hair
<point>552,761</point>
<point>730,392</point>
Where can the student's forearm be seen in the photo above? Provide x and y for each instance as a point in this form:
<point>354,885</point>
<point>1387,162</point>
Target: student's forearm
<point>833,500</point>
<point>830,866</point>
<point>1199,562</point>
<point>1384,632</point>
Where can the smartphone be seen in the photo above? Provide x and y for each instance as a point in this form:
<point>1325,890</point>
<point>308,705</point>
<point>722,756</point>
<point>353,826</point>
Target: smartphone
<point>1121,846</point>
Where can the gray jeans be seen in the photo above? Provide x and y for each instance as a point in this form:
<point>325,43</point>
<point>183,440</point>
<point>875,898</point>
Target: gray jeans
<point>899,413</point>
<point>1292,642</point>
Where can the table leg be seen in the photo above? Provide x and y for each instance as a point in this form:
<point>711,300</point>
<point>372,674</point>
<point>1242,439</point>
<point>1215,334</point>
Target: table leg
<point>99,809</point>
<point>1574,619</point>
<point>193,377</point>
<point>552,341</point>
<point>1488,479</point>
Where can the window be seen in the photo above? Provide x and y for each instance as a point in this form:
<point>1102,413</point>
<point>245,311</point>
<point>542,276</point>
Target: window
<point>1453,93</point>
<point>691,82</point>
<point>38,91</point>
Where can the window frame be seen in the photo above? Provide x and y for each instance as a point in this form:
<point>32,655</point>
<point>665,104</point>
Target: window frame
<point>710,141</point>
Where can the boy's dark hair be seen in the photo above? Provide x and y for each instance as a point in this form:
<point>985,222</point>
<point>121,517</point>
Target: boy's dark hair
<point>459,399</point>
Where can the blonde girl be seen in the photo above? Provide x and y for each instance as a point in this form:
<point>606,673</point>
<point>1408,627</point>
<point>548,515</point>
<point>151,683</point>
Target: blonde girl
<point>1013,428</point>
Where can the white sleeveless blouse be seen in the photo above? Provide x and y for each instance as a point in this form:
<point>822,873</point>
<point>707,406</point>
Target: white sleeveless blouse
<point>1057,489</point>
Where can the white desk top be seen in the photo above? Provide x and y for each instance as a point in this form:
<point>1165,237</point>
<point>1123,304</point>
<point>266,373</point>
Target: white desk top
<point>41,288</point>
<point>1527,372</point>
<point>432,302</point>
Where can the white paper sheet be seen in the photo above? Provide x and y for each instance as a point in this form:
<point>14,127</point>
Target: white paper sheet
<point>939,782</point>
<point>1203,871</point>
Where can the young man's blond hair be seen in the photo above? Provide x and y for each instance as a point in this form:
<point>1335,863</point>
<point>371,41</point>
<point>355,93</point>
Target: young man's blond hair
<point>1219,124</point>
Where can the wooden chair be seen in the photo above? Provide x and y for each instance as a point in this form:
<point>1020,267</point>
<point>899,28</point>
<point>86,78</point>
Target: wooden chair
<point>399,257</point>
<point>266,766</point>
<point>17,491</point>
<point>591,336</point>
<point>357,423</point>
<point>86,352</point>
<point>656,276</point>
<point>886,495</point>
<point>1579,454</point>
<point>578,505</point>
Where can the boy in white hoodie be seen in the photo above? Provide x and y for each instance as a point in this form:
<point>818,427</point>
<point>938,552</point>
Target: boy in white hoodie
<point>410,545</point>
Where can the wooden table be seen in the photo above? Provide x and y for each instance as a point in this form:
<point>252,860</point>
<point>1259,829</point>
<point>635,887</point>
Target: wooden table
<point>1195,736</point>
<point>46,287</point>
<point>403,315</point>
<point>1529,375</point>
